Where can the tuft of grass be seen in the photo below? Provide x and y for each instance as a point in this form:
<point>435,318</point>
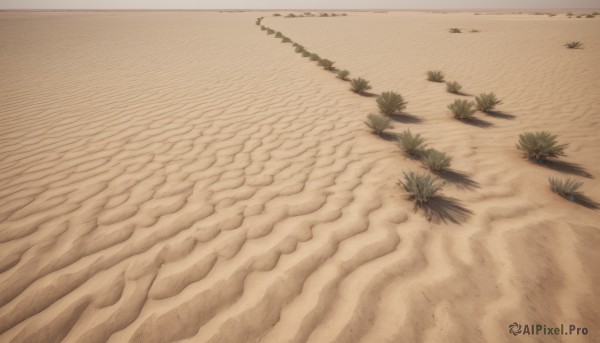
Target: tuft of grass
<point>359,85</point>
<point>291,15</point>
<point>327,64</point>
<point>279,35</point>
<point>475,31</point>
<point>276,15</point>
<point>566,188</point>
<point>573,45</point>
<point>590,16</point>
<point>378,124</point>
<point>285,40</point>
<point>486,102</point>
<point>462,109</point>
<point>305,53</point>
<point>411,145</point>
<point>455,30</point>
<point>596,13</point>
<point>420,187</point>
<point>453,87</point>
<point>343,74</point>
<point>270,31</point>
<point>435,76</point>
<point>263,28</point>
<point>390,103</point>
<point>539,146</point>
<point>315,57</point>
<point>299,48</point>
<point>436,161</point>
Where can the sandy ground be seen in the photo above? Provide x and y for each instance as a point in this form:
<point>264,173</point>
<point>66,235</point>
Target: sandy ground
<point>184,176</point>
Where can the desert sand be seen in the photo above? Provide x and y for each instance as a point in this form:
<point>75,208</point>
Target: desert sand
<point>182,176</point>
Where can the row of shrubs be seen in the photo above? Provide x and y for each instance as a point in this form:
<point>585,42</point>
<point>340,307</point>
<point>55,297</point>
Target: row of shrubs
<point>570,45</point>
<point>457,30</point>
<point>310,14</point>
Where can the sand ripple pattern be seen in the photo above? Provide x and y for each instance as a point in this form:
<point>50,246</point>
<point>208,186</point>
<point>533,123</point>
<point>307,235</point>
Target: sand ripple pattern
<point>185,177</point>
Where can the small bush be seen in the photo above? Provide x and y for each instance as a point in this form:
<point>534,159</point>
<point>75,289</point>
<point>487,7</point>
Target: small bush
<point>305,53</point>
<point>566,188</point>
<point>475,31</point>
<point>590,16</point>
<point>462,109</point>
<point>276,15</point>
<point>573,45</point>
<point>299,48</point>
<point>308,14</point>
<point>436,161</point>
<point>486,102</point>
<point>435,76</point>
<point>327,64</point>
<point>343,74</point>
<point>420,187</point>
<point>270,31</point>
<point>390,102</point>
<point>279,35</point>
<point>541,145</point>
<point>596,13</point>
<point>315,57</point>
<point>323,15</point>
<point>453,87</point>
<point>410,144</point>
<point>291,15</point>
<point>359,85</point>
<point>378,124</point>
<point>263,28</point>
<point>285,40</point>
<point>454,30</point>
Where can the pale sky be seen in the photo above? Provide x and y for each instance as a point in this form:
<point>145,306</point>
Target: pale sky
<point>294,4</point>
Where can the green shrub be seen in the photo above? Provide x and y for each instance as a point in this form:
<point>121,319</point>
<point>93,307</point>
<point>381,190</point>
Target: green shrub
<point>486,102</point>
<point>270,31</point>
<point>299,48</point>
<point>566,188</point>
<point>285,40</point>
<point>573,45</point>
<point>410,144</point>
<point>462,109</point>
<point>378,124</point>
<point>359,85</point>
<point>539,146</point>
<point>315,57</point>
<point>343,74</point>
<point>327,64</point>
<point>420,187</point>
<point>435,76</point>
<point>436,161</point>
<point>453,87</point>
<point>305,53</point>
<point>279,35</point>
<point>390,103</point>
<point>455,30</point>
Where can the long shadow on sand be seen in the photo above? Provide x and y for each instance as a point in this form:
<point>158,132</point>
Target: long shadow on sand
<point>442,209</point>
<point>500,115</point>
<point>478,123</point>
<point>460,180</point>
<point>566,168</point>
<point>406,118</point>
<point>585,201</point>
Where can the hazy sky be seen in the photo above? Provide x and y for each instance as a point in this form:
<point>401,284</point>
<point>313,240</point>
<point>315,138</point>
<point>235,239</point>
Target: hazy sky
<point>282,4</point>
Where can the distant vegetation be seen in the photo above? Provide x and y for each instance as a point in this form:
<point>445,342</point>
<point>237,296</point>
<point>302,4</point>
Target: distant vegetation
<point>435,76</point>
<point>454,30</point>
<point>539,146</point>
<point>360,85</point>
<point>378,124</point>
<point>462,109</point>
<point>327,64</point>
<point>574,45</point>
<point>343,74</point>
<point>315,57</point>
<point>420,187</point>
<point>276,15</point>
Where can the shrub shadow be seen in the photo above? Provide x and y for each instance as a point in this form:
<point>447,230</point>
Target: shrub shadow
<point>442,209</point>
<point>500,115</point>
<point>390,137</point>
<point>566,168</point>
<point>368,94</point>
<point>478,122</point>
<point>406,118</point>
<point>460,180</point>
<point>585,201</point>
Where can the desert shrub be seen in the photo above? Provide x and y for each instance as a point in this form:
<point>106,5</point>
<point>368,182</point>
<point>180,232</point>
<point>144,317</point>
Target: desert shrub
<point>270,31</point>
<point>540,145</point>
<point>323,15</point>
<point>596,13</point>
<point>390,102</point>
<point>344,14</point>
<point>258,20</point>
<point>279,35</point>
<point>315,57</point>
<point>573,45</point>
<point>435,76</point>
<point>343,74</point>
<point>566,188</point>
<point>486,102</point>
<point>436,161</point>
<point>308,14</point>
<point>579,16</point>
<point>327,64</point>
<point>410,144</point>
<point>454,30</point>
<point>299,48</point>
<point>378,124</point>
<point>305,53</point>
<point>590,16</point>
<point>276,15</point>
<point>453,87</point>
<point>285,40</point>
<point>462,109</point>
<point>359,85</point>
<point>475,30</point>
<point>420,187</point>
<point>291,15</point>
<point>262,27</point>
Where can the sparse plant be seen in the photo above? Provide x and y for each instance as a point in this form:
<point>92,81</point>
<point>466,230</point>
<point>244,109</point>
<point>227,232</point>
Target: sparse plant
<point>566,188</point>
<point>475,31</point>
<point>411,145</point>
<point>270,31</point>
<point>435,76</point>
<point>453,87</point>
<point>541,145</point>
<point>436,161</point>
<point>315,57</point>
<point>454,30</point>
<point>573,45</point>
<point>579,16</point>
<point>285,40</point>
<point>343,74</point>
<point>359,85</point>
<point>291,15</point>
<point>486,102</point>
<point>276,15</point>
<point>279,35</point>
<point>390,103</point>
<point>305,53</point>
<point>378,124</point>
<point>420,187</point>
<point>462,109</point>
<point>596,13</point>
<point>590,16</point>
<point>323,15</point>
<point>263,28</point>
<point>327,64</point>
<point>299,48</point>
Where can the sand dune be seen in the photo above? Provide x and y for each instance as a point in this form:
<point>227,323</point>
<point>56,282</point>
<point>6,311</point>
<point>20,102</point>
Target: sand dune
<point>186,177</point>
